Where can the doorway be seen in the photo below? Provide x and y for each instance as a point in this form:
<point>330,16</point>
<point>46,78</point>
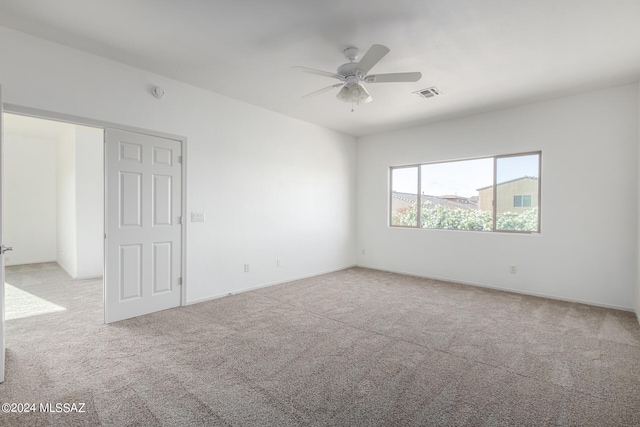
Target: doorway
<point>157,163</point>
<point>164,164</point>
<point>52,208</point>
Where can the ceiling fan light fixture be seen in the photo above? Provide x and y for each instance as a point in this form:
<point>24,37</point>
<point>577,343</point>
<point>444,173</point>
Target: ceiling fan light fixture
<point>354,93</point>
<point>353,74</point>
<point>343,94</point>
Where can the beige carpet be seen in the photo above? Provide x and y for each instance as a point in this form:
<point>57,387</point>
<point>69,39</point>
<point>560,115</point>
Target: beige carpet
<point>352,348</point>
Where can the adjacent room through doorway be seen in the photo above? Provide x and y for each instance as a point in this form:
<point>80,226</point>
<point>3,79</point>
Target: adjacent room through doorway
<point>53,214</point>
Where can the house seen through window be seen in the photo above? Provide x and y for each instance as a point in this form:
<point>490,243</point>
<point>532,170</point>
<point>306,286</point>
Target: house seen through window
<point>500,193</point>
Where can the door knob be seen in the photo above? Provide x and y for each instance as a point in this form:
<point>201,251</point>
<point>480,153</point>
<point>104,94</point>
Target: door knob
<point>4,249</point>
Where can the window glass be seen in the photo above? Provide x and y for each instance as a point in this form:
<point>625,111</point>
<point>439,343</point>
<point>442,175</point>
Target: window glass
<point>404,196</point>
<point>451,195</point>
<point>517,193</point>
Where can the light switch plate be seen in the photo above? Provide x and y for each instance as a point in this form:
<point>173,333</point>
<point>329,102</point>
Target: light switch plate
<point>197,216</point>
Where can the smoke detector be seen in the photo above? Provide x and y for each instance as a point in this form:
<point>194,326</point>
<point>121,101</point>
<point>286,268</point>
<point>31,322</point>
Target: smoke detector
<point>157,91</point>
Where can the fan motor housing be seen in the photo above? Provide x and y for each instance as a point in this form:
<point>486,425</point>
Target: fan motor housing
<point>349,69</point>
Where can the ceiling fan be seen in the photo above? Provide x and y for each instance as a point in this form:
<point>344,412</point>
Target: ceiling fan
<point>353,74</point>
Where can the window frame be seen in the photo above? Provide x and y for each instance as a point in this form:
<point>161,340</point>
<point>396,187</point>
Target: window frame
<point>494,185</point>
<point>418,208</point>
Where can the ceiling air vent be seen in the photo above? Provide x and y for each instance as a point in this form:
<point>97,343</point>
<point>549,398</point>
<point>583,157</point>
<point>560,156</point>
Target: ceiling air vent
<point>429,92</point>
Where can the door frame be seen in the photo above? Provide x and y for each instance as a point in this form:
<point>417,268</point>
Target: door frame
<point>83,121</point>
<point>3,337</point>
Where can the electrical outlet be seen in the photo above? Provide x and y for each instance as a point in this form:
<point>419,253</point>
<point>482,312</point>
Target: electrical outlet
<point>513,269</point>
<point>197,216</point>
<point>246,268</point>
<point>364,252</point>
<point>278,262</point>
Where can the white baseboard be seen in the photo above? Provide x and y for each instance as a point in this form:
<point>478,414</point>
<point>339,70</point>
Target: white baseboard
<point>499,288</point>
<point>88,277</point>
<point>77,277</point>
<point>12,264</point>
<point>265,285</point>
<point>444,279</point>
<point>62,266</point>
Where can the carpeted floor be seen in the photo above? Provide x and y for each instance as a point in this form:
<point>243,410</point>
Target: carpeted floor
<point>353,348</point>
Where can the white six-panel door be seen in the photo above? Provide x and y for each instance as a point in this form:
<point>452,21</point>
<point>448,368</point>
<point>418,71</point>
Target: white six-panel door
<point>143,231</point>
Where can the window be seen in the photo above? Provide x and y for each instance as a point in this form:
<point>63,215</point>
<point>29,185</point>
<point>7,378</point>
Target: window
<point>522,201</point>
<point>499,193</point>
<point>404,196</point>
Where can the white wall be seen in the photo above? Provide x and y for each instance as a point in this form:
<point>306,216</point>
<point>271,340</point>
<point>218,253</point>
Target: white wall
<point>66,203</point>
<point>89,201</point>
<point>270,186</point>
<point>29,205</point>
<point>587,250</point>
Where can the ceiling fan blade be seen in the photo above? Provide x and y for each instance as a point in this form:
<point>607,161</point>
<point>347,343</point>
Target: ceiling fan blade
<point>319,72</point>
<point>371,58</point>
<point>393,77</point>
<point>324,89</point>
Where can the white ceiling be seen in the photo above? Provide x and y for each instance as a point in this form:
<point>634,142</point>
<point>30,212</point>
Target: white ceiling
<point>481,54</point>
